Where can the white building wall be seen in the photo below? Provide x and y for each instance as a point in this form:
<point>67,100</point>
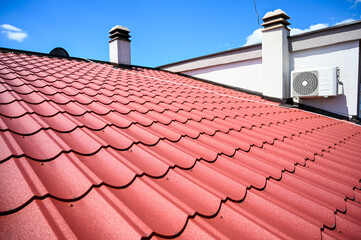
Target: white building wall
<point>245,74</point>
<point>343,55</point>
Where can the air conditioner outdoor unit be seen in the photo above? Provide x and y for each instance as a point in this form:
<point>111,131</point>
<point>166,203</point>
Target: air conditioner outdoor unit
<point>318,82</point>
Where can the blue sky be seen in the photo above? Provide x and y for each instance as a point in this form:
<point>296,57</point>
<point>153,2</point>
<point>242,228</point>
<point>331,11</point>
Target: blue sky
<point>162,31</point>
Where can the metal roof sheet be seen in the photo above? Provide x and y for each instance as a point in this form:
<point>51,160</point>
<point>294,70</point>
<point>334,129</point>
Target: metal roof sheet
<point>90,151</point>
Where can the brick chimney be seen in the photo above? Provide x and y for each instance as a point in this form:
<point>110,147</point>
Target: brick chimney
<point>275,55</point>
<point>119,45</point>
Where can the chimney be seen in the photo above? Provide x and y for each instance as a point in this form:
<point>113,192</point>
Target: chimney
<point>119,45</point>
<point>275,55</point>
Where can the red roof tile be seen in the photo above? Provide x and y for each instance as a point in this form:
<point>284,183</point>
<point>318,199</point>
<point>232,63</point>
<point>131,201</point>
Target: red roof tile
<point>90,151</point>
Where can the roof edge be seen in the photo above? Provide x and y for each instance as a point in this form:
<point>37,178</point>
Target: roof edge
<point>327,113</point>
<point>325,29</point>
<point>211,55</point>
<point>2,49</point>
<point>260,44</point>
<point>17,51</point>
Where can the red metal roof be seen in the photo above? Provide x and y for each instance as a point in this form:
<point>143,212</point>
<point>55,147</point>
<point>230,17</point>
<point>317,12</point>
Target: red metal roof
<point>89,151</point>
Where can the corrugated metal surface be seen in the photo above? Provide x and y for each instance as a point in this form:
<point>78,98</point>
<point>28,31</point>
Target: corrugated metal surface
<point>93,152</point>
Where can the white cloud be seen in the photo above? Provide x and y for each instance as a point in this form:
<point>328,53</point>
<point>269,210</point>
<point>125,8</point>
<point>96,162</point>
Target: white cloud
<point>355,3</point>
<point>17,36</point>
<point>346,21</point>
<point>13,33</point>
<point>295,31</point>
<point>255,37</point>
<point>11,28</point>
<point>224,45</point>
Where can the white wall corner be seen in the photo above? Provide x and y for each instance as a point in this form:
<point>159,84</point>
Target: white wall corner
<point>275,55</point>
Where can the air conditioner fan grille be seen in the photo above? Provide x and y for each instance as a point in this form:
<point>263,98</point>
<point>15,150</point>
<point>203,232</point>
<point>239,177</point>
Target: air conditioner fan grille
<point>305,83</point>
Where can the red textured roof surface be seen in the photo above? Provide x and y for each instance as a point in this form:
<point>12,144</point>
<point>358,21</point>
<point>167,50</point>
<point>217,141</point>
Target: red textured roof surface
<point>88,151</point>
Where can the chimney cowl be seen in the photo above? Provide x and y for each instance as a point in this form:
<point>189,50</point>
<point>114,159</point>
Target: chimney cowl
<point>275,13</point>
<point>275,19</point>
<point>119,32</point>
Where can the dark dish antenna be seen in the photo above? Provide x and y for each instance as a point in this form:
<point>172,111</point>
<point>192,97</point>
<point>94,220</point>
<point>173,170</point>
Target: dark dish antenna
<point>59,52</point>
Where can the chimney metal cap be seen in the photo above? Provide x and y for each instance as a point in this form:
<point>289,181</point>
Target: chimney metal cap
<point>119,32</point>
<point>275,19</point>
<point>275,14</point>
<point>118,27</point>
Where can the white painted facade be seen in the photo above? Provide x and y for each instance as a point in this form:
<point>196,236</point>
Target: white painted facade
<point>245,74</point>
<point>346,57</point>
<point>266,68</point>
